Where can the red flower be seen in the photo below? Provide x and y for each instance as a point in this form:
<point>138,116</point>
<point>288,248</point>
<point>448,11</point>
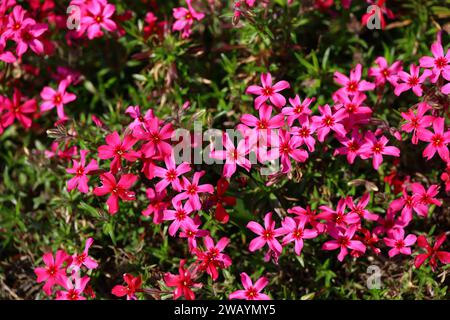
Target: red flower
<point>133,286</point>
<point>116,189</point>
<point>432,252</point>
<point>220,200</point>
<point>15,109</point>
<point>183,282</point>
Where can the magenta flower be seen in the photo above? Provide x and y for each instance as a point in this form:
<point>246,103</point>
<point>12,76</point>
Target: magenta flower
<point>266,235</point>
<point>190,230</point>
<point>139,119</point>
<point>74,288</point>
<point>433,253</point>
<point>53,273</point>
<point>287,147</point>
<point>29,37</point>
<point>355,111</point>
<point>423,198</point>
<point>411,81</point>
<point>185,19</point>
<point>158,203</point>
<point>439,63</point>
<point>298,110</point>
<point>170,174</point>
<point>183,282</point>
<point>338,217</point>
<point>83,258</point>
<point>98,17</point>
<point>156,137</point>
<point>399,243</point>
<point>305,134</point>
<point>191,190</point>
<point>353,84</point>
<point>118,190</point>
<point>117,149</point>
<point>352,146</point>
<point>213,258</point>
<point>343,240</point>
<point>251,292</point>
<point>15,109</point>
<point>384,72</point>
<point>179,216</point>
<point>377,148</point>
<point>360,207</point>
<point>328,121</point>
<point>57,98</point>
<point>265,121</point>
<point>233,156</point>
<point>269,91</point>
<point>295,232</point>
<point>389,223</point>
<point>417,122</point>
<point>437,141</point>
<point>81,170</point>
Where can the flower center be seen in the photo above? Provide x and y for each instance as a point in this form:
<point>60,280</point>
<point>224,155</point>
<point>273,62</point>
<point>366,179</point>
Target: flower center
<point>399,244</point>
<point>441,62</point>
<point>98,19</point>
<point>298,234</point>
<point>328,121</point>
<point>57,99</point>
<point>268,91</point>
<point>192,189</point>
<point>413,81</point>
<point>377,148</point>
<point>268,234</point>
<point>437,140</point>
<point>171,175</point>
<point>352,86</point>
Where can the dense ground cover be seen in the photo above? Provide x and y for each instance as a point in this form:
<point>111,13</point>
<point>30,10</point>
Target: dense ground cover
<point>337,186</point>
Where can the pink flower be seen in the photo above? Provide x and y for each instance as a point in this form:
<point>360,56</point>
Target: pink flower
<point>155,136</point>
<point>80,170</point>
<point>328,121</point>
<point>360,208</point>
<point>352,146</point>
<point>251,292</point>
<point>338,217</point>
<point>305,134</point>
<point>79,260</point>
<point>74,288</point>
<point>139,119</point>
<point>191,190</point>
<point>287,147</point>
<point>439,63</point>
<point>29,37</point>
<point>399,243</point>
<point>353,84</point>
<point>213,258</point>
<point>376,148</point>
<point>158,204</point>
<point>183,282</point>
<point>266,235</point>
<point>437,141</point>
<point>433,253</point>
<point>389,223</point>
<point>57,98</point>
<point>133,286</point>
<point>185,19</point>
<point>53,273</point>
<point>295,232</point>
<point>417,122</point>
<point>423,198</point>
<point>411,81</point>
<point>299,110</point>
<point>179,216</point>
<point>268,91</point>
<point>171,174</point>
<point>98,17</point>
<point>355,111</point>
<point>117,149</point>
<point>190,230</point>
<point>265,121</point>
<point>384,72</point>
<point>233,156</point>
<point>343,240</point>
<point>118,190</point>
<point>310,215</point>
<point>15,109</point>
